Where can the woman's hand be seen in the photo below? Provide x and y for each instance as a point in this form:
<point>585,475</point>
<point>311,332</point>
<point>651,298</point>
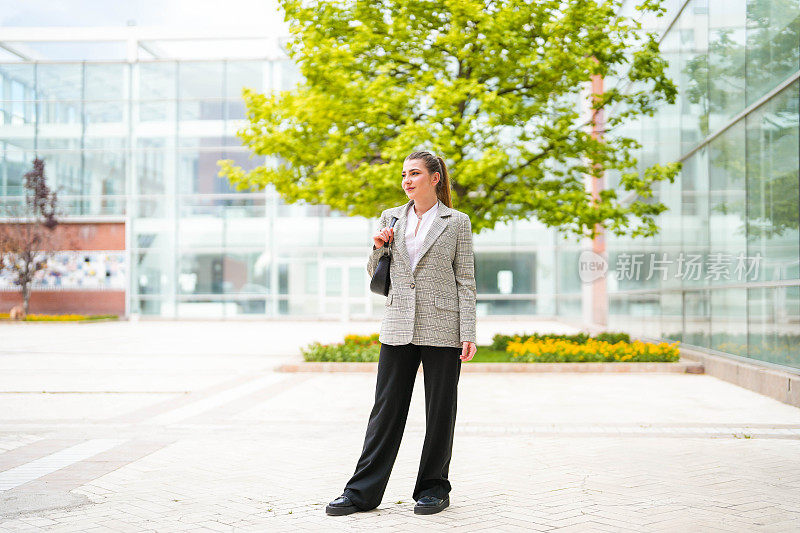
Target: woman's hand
<point>468,350</point>
<point>383,235</point>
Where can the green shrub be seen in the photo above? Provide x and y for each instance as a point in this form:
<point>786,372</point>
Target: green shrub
<point>342,352</point>
<point>612,338</point>
<point>354,349</point>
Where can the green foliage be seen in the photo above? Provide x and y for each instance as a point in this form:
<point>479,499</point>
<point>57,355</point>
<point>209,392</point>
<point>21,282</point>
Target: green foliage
<point>612,338</point>
<point>491,86</point>
<point>341,352</point>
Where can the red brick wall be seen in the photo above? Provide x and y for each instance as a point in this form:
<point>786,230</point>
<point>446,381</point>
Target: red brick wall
<point>92,236</point>
<point>78,236</point>
<point>68,302</point>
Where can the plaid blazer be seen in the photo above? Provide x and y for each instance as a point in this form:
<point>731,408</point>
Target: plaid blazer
<point>435,304</point>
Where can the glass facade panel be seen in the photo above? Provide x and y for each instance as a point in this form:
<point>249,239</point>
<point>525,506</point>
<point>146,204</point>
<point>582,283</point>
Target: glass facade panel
<point>105,81</point>
<point>729,320</point>
<point>156,111</point>
<point>201,79</point>
<point>287,75</point>
<point>156,81</point>
<point>205,109</point>
<point>697,318</point>
<point>692,77</point>
<point>14,163</point>
<point>228,223</point>
<point>569,280</point>
<point>773,44</point>
<point>502,273</point>
<point>671,316</point>
<point>241,74</point>
<point>772,186</point>
<point>104,113</point>
<point>198,171</point>
<point>104,173</point>
<point>155,166</point>
<point>726,212</point>
<point>153,234</point>
<point>667,119</point>
<point>772,331</point>
<point>60,82</point>
<point>726,60</point>
<point>60,112</point>
<point>695,219</point>
<point>17,81</point>
<point>64,169</point>
<point>154,273</point>
<point>223,273</point>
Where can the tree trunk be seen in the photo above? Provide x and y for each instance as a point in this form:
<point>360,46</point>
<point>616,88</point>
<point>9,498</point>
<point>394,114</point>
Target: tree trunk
<point>26,296</point>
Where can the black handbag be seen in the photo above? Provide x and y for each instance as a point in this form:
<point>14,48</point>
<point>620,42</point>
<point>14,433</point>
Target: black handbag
<point>380,278</point>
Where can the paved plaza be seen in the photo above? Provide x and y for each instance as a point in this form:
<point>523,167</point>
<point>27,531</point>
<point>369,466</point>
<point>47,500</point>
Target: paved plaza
<point>186,426</point>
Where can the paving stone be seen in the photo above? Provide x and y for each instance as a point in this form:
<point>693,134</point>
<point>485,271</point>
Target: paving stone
<point>213,439</point>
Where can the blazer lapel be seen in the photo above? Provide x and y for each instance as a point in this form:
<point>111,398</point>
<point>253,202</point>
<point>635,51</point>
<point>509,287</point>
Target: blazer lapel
<point>400,236</point>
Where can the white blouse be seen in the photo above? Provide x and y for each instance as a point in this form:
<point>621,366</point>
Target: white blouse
<point>414,242</point>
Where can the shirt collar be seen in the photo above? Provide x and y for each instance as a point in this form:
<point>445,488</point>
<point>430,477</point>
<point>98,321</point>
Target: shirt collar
<point>427,213</point>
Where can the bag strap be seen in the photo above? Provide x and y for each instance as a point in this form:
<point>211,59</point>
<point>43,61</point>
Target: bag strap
<point>390,245</point>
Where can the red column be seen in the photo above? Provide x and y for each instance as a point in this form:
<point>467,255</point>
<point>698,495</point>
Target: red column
<point>599,289</point>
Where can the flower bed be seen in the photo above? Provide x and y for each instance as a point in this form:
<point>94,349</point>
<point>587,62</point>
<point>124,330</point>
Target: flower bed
<point>595,351</point>
<point>355,348</point>
<point>534,348</point>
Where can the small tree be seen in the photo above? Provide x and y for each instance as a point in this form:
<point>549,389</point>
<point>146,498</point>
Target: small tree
<point>29,238</point>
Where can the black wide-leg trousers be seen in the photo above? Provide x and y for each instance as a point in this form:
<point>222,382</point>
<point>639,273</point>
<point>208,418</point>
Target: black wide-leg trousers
<point>397,371</point>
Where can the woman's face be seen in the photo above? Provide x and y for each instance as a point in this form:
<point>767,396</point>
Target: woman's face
<point>417,181</point>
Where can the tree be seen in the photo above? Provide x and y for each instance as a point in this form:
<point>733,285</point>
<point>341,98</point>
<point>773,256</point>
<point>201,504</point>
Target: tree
<point>30,238</point>
<point>492,86</point>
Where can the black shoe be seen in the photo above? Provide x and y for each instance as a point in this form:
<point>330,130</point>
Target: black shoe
<point>431,504</point>
<point>341,506</point>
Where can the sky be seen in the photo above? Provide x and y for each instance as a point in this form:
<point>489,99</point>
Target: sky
<point>262,17</point>
<point>250,14</point>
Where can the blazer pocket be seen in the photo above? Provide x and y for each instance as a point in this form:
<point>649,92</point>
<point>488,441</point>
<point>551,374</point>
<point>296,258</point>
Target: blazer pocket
<point>443,302</point>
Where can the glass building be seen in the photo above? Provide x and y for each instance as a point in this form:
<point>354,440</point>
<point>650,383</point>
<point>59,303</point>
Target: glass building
<point>734,207</point>
<point>136,139</point>
<point>133,134</point>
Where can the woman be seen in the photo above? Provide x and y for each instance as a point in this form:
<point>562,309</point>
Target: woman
<point>429,317</point>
